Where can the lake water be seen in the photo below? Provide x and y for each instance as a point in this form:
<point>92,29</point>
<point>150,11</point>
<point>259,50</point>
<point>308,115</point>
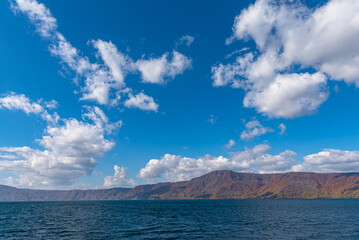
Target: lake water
<point>197,219</point>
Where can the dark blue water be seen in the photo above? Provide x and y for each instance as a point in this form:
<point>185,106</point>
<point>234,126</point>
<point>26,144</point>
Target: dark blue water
<point>201,219</point>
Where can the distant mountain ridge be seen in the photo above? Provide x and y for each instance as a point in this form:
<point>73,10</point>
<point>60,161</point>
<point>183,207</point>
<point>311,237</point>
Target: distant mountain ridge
<point>222,184</point>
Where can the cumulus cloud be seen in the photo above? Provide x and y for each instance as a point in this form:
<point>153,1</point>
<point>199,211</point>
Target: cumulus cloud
<point>259,160</point>
<point>13,101</point>
<point>230,144</point>
<point>177,168</point>
<point>289,95</point>
<point>141,101</point>
<point>159,70</point>
<point>100,82</point>
<point>330,160</point>
<point>309,37</point>
<point>231,74</point>
<point>119,179</point>
<point>69,152</point>
<point>288,37</point>
<point>253,129</point>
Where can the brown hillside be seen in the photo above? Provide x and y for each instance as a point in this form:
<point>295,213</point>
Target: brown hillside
<point>215,185</point>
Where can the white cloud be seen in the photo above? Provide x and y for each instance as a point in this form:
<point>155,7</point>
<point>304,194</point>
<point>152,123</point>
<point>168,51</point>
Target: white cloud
<point>119,179</point>
<point>259,160</point>
<point>256,21</point>
<point>51,104</point>
<point>141,101</point>
<point>307,36</point>
<point>330,160</point>
<point>98,87</point>
<point>289,96</point>
<point>69,55</point>
<point>185,40</point>
<point>99,79</point>
<point>118,63</point>
<point>230,143</point>
<point>78,139</point>
<point>13,101</point>
<point>38,13</point>
<point>177,168</point>
<point>159,70</point>
<point>283,128</point>
<point>97,116</point>
<point>69,152</point>
<point>100,82</point>
<point>289,36</point>
<point>231,74</point>
<point>235,52</point>
<point>253,129</point>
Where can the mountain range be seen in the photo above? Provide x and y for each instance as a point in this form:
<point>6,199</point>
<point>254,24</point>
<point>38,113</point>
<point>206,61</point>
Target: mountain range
<point>222,184</point>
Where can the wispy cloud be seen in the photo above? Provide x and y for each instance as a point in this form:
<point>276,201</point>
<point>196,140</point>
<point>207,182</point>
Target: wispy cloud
<point>185,40</point>
<point>100,82</point>
<point>41,16</point>
<point>13,101</point>
<point>282,128</point>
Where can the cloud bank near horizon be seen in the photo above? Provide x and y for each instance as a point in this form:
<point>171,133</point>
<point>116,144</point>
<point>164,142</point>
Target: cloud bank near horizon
<point>253,160</point>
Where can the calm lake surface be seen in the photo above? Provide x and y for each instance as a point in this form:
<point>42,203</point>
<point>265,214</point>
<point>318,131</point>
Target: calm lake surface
<point>197,219</point>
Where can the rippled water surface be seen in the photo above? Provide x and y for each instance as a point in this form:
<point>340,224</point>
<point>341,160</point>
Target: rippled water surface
<point>197,219</point>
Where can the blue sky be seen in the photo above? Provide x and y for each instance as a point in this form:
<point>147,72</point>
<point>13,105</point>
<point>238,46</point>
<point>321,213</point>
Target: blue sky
<point>118,93</point>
